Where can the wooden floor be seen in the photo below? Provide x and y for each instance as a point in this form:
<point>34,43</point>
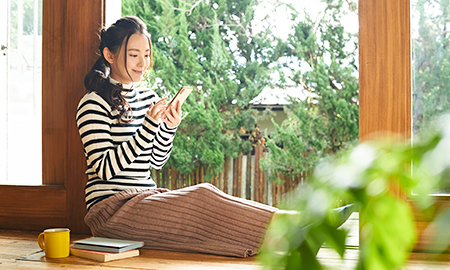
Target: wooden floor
<point>19,250</point>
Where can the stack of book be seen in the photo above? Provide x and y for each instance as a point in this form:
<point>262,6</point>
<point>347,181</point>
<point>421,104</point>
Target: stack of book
<point>105,249</point>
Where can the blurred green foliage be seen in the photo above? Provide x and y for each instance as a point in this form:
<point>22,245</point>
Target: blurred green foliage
<point>371,176</point>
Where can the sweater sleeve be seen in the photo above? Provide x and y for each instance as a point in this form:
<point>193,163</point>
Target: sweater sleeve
<point>162,145</point>
<point>94,124</point>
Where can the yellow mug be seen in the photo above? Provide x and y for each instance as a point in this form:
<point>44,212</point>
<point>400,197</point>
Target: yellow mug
<point>55,242</point>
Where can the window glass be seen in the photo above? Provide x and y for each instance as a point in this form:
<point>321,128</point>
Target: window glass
<point>430,24</point>
<point>21,71</point>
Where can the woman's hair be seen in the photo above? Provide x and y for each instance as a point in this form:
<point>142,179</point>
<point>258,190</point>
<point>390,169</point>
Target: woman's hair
<point>113,38</point>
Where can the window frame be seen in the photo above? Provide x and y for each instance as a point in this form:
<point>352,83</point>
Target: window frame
<point>69,51</point>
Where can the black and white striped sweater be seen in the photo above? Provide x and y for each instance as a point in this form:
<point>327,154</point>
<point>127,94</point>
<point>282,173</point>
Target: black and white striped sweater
<point>119,155</point>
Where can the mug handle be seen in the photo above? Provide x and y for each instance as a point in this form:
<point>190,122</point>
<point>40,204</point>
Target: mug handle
<point>41,241</point>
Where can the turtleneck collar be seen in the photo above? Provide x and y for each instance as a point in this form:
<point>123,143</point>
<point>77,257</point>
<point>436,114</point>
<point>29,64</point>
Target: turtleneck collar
<point>124,86</point>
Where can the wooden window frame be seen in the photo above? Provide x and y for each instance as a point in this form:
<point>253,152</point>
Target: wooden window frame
<point>385,68</point>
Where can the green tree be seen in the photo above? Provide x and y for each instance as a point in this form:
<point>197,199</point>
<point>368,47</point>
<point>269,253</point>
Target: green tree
<point>214,46</point>
<point>209,45</point>
<point>323,60</point>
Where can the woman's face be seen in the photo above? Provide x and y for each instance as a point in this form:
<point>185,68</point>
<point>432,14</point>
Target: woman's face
<point>137,60</point>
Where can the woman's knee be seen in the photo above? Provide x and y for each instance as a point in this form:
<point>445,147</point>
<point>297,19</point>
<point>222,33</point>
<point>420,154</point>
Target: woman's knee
<point>206,185</point>
<point>205,188</point>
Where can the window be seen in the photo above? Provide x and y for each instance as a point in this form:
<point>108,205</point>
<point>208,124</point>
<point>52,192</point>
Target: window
<point>430,63</point>
<point>21,79</point>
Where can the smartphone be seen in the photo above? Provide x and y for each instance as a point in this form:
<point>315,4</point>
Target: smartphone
<point>182,95</point>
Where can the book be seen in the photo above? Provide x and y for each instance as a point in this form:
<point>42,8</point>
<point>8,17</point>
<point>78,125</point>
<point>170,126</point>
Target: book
<point>107,244</point>
<point>103,256</point>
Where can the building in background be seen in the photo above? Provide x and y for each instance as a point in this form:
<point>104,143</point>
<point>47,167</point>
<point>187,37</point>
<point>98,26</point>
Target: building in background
<point>271,103</point>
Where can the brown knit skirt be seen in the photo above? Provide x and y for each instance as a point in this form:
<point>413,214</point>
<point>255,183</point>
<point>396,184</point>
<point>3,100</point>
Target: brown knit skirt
<point>200,218</point>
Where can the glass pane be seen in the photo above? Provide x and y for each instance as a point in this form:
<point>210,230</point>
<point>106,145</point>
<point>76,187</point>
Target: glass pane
<point>430,24</point>
<point>22,138</point>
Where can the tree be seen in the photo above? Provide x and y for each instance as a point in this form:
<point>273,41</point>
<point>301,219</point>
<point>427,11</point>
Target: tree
<point>323,60</point>
<point>209,45</point>
<point>214,46</point>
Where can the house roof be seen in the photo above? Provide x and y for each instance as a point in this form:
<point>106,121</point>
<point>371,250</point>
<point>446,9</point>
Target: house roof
<point>278,97</point>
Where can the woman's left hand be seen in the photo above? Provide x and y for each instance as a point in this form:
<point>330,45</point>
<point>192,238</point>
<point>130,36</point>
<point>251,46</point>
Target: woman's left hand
<point>172,115</point>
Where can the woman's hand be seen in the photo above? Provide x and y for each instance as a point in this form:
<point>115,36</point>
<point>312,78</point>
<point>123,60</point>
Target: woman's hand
<point>172,115</point>
<point>157,109</point>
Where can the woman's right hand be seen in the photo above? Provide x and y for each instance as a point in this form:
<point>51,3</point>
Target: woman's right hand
<point>156,109</point>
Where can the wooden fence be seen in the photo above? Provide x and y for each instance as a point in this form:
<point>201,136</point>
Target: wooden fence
<point>241,177</point>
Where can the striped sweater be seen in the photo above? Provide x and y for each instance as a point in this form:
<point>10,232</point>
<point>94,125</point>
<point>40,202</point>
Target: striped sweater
<point>119,155</point>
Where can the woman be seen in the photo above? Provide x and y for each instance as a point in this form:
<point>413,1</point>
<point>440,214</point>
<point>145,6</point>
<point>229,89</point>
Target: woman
<point>126,130</point>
